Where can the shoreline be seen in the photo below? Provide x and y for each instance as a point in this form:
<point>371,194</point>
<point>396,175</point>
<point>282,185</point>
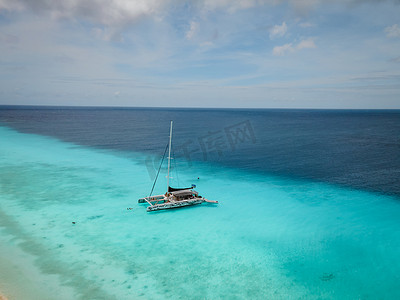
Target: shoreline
<point>20,278</point>
<point>2,297</point>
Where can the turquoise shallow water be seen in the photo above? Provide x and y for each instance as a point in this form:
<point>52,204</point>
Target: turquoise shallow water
<point>269,237</point>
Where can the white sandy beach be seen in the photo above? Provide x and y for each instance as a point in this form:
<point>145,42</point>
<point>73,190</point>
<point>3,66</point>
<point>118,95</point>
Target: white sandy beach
<point>2,297</point>
<point>20,278</point>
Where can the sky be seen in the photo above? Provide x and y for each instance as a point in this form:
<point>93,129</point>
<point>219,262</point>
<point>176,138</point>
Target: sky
<point>201,53</point>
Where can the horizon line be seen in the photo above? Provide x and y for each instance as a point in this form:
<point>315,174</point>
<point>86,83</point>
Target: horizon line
<point>50,106</point>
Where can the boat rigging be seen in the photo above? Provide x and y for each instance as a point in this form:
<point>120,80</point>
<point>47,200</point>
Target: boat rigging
<point>174,197</point>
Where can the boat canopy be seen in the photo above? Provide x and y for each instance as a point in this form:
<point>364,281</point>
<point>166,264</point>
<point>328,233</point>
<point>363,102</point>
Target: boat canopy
<point>185,193</point>
<point>171,189</point>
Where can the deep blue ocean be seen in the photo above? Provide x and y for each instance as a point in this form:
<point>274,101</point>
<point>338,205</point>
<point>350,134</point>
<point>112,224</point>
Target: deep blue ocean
<point>354,148</point>
<point>309,204</point>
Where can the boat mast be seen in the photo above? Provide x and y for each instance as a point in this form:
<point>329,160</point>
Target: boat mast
<point>169,155</point>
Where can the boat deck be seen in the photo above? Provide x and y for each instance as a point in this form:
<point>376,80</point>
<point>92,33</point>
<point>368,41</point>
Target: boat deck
<point>173,200</point>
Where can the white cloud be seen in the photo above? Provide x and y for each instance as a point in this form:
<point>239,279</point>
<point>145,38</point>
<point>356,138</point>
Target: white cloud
<point>122,12</point>
<point>107,34</point>
<point>308,43</point>
<point>207,44</point>
<point>282,50</point>
<point>306,25</point>
<point>192,30</point>
<point>288,48</point>
<point>11,5</point>
<point>278,30</point>
<point>156,57</point>
<point>302,7</point>
<point>110,13</point>
<point>299,6</point>
<point>230,5</point>
<point>393,31</point>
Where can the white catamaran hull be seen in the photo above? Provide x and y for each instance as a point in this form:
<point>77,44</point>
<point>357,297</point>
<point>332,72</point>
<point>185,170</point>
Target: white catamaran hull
<point>177,204</point>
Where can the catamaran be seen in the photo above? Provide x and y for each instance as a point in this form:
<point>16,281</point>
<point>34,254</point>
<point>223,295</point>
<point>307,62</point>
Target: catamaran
<point>174,197</point>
